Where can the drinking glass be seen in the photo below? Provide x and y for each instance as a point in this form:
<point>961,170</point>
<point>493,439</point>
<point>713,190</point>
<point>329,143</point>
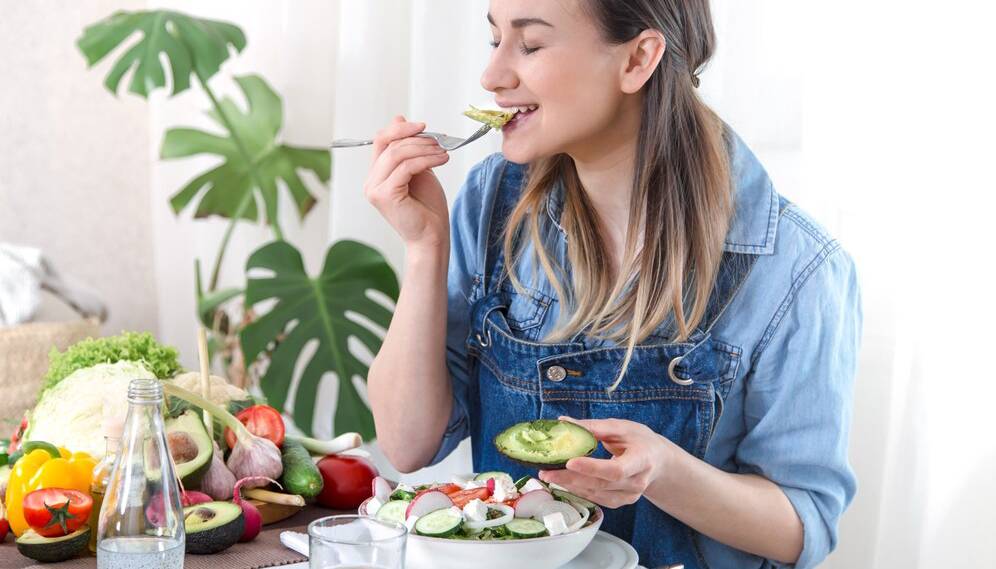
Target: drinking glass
<point>356,542</point>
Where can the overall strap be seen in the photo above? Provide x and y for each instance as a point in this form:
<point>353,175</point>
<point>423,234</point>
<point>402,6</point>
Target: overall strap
<point>510,178</point>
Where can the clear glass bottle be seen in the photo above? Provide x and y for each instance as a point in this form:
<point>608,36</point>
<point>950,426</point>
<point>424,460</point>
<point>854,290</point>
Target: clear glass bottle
<point>141,519</point>
<point>98,485</point>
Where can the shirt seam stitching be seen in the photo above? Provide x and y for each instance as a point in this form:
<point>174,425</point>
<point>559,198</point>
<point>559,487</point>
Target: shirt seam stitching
<point>818,261</point>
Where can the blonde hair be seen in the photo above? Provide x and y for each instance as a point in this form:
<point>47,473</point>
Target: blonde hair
<point>681,197</point>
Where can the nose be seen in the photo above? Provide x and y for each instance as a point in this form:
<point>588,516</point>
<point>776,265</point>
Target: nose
<point>499,74</point>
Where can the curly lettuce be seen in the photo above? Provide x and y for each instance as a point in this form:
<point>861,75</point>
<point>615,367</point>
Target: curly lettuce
<point>137,347</point>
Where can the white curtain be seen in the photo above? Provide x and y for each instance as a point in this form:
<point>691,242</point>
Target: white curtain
<point>874,116</point>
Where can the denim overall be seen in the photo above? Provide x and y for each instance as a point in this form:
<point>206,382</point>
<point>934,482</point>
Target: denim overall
<point>676,389</point>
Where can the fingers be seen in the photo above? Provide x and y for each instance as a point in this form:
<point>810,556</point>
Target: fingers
<point>600,492</point>
<point>398,129</point>
<point>604,429</point>
<point>612,470</point>
<point>399,151</point>
<point>411,167</point>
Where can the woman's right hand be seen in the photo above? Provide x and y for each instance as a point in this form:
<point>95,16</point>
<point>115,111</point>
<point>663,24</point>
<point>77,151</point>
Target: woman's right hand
<point>402,186</point>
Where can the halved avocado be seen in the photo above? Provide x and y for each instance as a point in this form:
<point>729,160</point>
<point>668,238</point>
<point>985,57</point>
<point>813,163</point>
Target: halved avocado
<point>190,446</point>
<point>212,526</point>
<point>546,444</point>
<point>53,549</point>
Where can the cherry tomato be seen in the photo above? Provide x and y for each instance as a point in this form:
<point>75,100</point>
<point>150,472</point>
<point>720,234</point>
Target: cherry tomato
<point>463,497</point>
<point>347,481</point>
<point>54,512</point>
<point>262,421</point>
<point>449,489</point>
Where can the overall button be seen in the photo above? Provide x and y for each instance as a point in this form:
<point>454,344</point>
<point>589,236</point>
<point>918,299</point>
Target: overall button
<point>556,373</point>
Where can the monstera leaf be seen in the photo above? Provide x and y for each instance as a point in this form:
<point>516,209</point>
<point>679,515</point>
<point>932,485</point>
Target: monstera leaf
<point>253,159</point>
<point>191,45</point>
<point>323,308</point>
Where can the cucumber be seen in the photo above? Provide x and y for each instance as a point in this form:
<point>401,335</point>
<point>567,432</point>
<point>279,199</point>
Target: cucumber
<point>522,482</point>
<point>566,496</point>
<point>524,527</point>
<point>441,523</point>
<point>300,475</point>
<point>393,511</point>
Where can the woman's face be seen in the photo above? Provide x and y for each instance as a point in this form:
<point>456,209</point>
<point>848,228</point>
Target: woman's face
<point>550,55</point>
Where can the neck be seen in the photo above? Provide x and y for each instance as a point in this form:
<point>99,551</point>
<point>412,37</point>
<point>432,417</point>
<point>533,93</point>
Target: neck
<point>606,170</point>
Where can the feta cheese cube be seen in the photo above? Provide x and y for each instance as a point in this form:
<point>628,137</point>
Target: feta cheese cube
<point>476,511</point>
<point>555,523</point>
<point>373,506</point>
<point>504,490</point>
<point>532,484</point>
<point>405,488</point>
<point>472,484</point>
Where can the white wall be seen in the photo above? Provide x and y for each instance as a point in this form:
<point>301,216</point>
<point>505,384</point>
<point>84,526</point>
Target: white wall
<point>74,161</point>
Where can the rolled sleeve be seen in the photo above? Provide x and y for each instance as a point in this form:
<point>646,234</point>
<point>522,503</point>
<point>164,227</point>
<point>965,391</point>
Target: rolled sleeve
<point>798,402</point>
<point>465,223</point>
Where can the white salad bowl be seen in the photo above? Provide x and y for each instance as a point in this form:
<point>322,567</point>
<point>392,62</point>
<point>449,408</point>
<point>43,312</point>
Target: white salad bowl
<point>535,553</point>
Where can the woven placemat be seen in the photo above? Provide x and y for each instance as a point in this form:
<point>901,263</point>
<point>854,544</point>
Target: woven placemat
<point>264,551</point>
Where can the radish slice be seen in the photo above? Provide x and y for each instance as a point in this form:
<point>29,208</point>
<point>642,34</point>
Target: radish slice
<point>428,502</point>
<point>584,517</point>
<point>491,485</point>
<point>571,515</point>
<point>507,514</point>
<point>381,489</point>
<point>528,505</point>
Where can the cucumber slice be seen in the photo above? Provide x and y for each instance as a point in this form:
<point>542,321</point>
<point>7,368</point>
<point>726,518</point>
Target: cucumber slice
<point>567,496</point>
<point>522,482</point>
<point>485,476</point>
<point>441,523</point>
<point>393,511</point>
<point>522,527</point>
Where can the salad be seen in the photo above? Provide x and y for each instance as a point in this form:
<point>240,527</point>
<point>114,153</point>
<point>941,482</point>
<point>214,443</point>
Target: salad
<point>488,506</point>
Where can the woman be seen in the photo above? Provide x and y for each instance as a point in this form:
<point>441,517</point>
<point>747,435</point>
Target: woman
<point>624,263</point>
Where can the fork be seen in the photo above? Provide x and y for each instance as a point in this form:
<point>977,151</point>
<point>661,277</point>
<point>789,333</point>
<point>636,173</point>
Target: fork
<point>446,141</point>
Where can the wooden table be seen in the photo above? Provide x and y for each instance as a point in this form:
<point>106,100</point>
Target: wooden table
<point>265,551</point>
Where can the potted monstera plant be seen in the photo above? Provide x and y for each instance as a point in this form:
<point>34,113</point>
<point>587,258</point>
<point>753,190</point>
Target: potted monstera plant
<point>255,166</point>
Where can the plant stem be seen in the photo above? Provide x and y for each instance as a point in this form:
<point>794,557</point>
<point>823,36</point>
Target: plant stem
<point>226,418</point>
<point>241,147</point>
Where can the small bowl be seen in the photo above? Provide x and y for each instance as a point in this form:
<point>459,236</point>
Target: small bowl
<point>536,553</point>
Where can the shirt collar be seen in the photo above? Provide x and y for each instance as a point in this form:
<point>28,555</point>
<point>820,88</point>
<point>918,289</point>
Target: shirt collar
<point>755,218</point>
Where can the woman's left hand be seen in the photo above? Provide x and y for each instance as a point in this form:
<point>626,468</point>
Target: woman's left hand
<point>639,457</point>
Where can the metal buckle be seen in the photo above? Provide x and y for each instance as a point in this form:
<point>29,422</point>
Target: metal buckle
<point>674,378</point>
<point>485,340</point>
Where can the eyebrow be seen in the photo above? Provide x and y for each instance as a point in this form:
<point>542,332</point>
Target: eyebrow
<point>522,22</point>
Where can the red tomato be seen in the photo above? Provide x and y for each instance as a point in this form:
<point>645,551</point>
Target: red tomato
<point>449,489</point>
<point>348,481</point>
<point>262,421</point>
<point>4,526</point>
<point>15,440</point>
<point>463,497</point>
<point>54,512</point>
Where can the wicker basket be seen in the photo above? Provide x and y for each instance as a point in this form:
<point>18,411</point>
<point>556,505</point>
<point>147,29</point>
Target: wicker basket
<point>24,360</point>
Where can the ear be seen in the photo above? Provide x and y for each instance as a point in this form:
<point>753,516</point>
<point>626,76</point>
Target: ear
<point>642,56</point>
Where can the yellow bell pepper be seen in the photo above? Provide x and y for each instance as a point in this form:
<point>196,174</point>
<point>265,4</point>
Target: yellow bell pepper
<point>38,469</point>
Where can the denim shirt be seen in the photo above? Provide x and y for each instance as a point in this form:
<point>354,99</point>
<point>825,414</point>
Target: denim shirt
<point>794,325</point>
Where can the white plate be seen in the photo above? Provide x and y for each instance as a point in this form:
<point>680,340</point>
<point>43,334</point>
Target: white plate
<point>606,551</point>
